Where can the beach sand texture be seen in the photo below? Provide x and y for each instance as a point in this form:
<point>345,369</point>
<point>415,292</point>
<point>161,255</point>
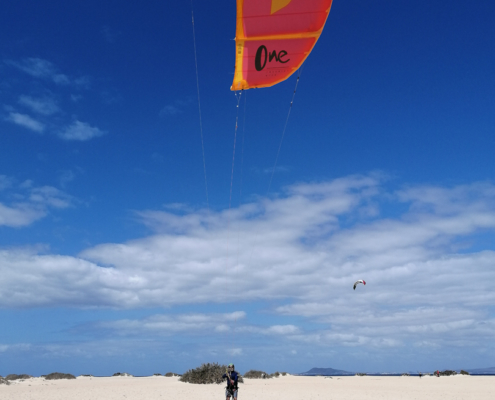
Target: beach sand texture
<point>286,388</point>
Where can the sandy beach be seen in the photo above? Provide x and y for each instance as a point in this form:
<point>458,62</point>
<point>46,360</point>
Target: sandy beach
<point>287,388</point>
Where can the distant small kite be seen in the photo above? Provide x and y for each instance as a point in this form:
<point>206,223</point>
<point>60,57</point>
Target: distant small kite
<point>359,281</point>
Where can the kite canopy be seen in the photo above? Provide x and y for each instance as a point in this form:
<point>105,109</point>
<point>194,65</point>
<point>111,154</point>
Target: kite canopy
<point>358,282</point>
<point>274,37</point>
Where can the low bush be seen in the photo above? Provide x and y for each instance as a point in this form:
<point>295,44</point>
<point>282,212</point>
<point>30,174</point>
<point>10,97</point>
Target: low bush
<point>59,375</point>
<point>206,373</point>
<point>169,374</point>
<point>14,377</point>
<point>4,381</point>
<point>254,374</point>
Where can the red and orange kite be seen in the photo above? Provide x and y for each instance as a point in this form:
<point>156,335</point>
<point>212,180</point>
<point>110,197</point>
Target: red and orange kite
<point>274,37</point>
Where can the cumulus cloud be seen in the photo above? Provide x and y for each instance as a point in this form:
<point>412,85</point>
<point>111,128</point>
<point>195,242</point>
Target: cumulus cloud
<point>169,110</point>
<point>80,131</point>
<point>193,324</point>
<point>110,35</point>
<point>398,321</point>
<point>46,70</point>
<point>304,248</point>
<point>19,215</point>
<point>176,108</point>
<point>42,110</point>
<point>167,324</point>
<point>5,182</point>
<point>274,330</point>
<point>66,177</point>
<point>26,121</point>
<point>49,196</point>
<point>40,68</point>
<point>277,169</point>
<point>43,106</point>
<point>30,203</point>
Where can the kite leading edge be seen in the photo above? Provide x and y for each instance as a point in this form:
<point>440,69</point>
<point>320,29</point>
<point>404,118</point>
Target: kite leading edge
<point>274,37</point>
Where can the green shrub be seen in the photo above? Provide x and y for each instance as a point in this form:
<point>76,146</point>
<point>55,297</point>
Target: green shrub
<point>169,374</point>
<point>254,374</point>
<point>59,375</point>
<point>14,377</point>
<point>206,373</point>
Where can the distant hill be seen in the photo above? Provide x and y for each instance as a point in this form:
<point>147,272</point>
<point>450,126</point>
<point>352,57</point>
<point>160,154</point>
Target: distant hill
<point>339,372</point>
<point>482,371</point>
<point>326,372</point>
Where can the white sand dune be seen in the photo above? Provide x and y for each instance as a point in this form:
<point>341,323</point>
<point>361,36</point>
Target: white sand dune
<point>283,388</point>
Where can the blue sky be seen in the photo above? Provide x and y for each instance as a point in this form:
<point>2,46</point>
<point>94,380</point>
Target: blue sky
<point>112,259</point>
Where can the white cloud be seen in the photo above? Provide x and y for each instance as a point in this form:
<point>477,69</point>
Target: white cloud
<point>80,131</point>
<point>304,248</point>
<point>177,107</point>
<point>5,182</point>
<point>274,330</point>
<point>20,215</point>
<point>237,351</point>
<point>30,204</point>
<point>26,121</point>
<point>277,169</point>
<point>43,106</point>
<point>193,324</point>
<point>40,68</point>
<point>49,196</point>
<point>170,110</point>
<point>109,34</point>
<point>167,324</point>
<point>66,177</point>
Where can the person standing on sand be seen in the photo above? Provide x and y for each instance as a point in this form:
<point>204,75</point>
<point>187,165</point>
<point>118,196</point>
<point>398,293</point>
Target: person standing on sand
<point>232,379</point>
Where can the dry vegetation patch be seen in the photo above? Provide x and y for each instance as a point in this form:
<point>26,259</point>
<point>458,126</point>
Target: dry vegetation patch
<point>206,373</point>
<point>14,377</point>
<point>59,375</point>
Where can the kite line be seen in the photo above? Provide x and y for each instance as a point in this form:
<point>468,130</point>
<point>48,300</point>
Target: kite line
<point>199,109</point>
<point>285,128</point>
